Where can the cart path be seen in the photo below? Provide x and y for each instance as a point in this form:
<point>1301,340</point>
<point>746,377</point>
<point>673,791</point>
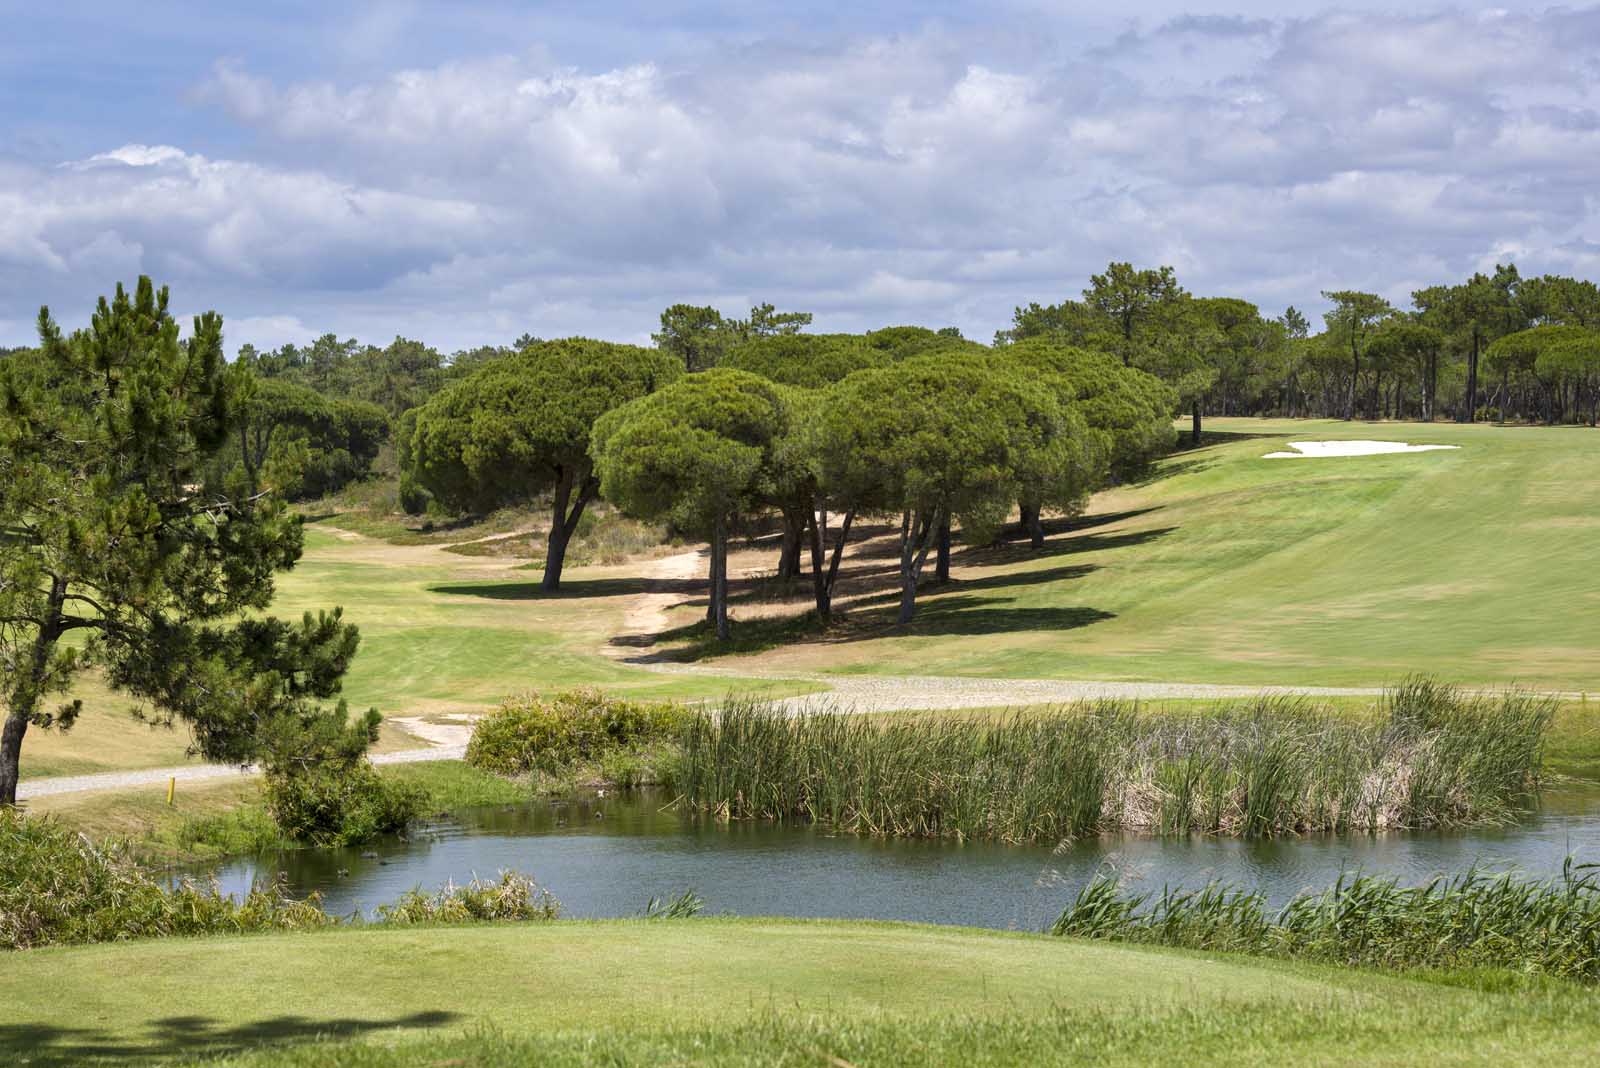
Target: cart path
<point>195,773</point>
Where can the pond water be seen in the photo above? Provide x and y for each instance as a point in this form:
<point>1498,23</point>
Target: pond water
<point>607,856</point>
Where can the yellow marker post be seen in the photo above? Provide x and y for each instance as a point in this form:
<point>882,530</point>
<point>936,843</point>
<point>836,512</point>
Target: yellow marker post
<point>172,788</point>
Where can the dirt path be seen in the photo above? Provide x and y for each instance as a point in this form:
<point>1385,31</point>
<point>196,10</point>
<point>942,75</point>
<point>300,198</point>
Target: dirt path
<point>647,615</point>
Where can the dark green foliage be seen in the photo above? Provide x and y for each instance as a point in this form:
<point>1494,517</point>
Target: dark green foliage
<point>1470,920</point>
<point>1433,758</point>
<point>698,454</point>
<point>296,443</point>
<point>399,376</point>
<point>531,733</point>
<point>1128,412</point>
<point>940,437</point>
<point>107,529</point>
<point>810,361</point>
<point>519,427</point>
<point>340,804</point>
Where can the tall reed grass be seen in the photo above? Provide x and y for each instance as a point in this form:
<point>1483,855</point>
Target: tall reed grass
<point>1473,919</point>
<point>1430,756</point>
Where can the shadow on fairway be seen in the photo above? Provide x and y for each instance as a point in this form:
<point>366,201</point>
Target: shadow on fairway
<point>53,1046</point>
<point>572,588</point>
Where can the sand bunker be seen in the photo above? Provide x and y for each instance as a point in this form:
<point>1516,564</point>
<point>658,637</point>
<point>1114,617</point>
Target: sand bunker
<point>1305,449</point>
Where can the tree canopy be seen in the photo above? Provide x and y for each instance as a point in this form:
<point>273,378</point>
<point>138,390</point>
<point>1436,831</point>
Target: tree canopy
<point>938,437</point>
<point>698,453</point>
<point>107,531</point>
<point>520,425</point>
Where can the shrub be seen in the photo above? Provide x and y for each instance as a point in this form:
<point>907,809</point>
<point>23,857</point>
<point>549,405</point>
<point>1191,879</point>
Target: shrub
<point>338,804</point>
<point>57,888</point>
<point>532,733</point>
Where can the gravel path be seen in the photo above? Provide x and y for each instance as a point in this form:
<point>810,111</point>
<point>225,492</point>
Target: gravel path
<point>891,693</point>
<point>192,773</point>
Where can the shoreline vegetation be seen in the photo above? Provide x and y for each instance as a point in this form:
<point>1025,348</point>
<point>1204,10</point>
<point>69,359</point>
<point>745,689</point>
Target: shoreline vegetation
<point>1430,756</point>
<point>59,889</point>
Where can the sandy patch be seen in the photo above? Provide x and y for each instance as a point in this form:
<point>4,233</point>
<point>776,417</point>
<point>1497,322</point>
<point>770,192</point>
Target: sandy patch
<point>1316,449</point>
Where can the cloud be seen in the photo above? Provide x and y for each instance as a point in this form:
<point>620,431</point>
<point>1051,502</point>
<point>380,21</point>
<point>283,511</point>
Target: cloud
<point>926,176</point>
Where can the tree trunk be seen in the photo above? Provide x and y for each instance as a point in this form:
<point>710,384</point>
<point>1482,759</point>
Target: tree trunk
<point>1194,435</point>
<point>941,567</point>
<point>817,528</point>
<point>564,524</point>
<point>1031,524</point>
<point>11,755</point>
<point>789,555</point>
<point>917,535</point>
<point>23,699</point>
<point>711,583</point>
<point>1355,377</point>
<point>1472,381</point>
<point>719,585</point>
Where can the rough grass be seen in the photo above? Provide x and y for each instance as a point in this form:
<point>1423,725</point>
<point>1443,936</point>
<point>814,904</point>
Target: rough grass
<point>1430,757</point>
<point>1492,1033</point>
<point>737,992</point>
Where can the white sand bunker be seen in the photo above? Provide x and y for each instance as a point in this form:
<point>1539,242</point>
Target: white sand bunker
<point>1306,449</point>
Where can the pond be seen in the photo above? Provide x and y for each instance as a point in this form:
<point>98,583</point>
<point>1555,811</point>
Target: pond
<point>606,856</point>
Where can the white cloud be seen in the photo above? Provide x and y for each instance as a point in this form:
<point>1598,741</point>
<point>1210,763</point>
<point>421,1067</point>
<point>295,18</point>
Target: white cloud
<point>870,179</point>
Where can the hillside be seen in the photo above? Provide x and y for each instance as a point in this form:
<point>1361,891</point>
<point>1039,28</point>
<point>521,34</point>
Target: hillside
<point>1473,564</point>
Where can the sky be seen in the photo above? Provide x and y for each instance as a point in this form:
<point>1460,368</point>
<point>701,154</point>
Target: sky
<point>462,173</point>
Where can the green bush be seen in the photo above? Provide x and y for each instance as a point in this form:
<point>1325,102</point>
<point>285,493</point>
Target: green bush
<point>532,733</point>
<point>58,888</point>
<point>334,805</point>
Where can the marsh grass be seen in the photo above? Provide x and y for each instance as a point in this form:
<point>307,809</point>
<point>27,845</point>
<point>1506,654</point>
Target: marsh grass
<point>1430,756</point>
<point>1473,919</point>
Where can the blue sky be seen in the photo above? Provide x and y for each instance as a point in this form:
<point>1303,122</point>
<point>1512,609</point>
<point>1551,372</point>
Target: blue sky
<point>462,173</point>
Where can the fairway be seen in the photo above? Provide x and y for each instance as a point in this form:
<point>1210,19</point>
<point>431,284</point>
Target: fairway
<point>443,632</point>
<point>631,977</point>
<point>1475,565</point>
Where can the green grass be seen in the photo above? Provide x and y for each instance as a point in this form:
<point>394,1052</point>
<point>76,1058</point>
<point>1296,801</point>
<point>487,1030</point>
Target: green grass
<point>748,991</point>
<point>1473,565</point>
<point>441,631</point>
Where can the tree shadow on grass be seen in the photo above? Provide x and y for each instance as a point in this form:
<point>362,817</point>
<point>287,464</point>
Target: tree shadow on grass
<point>54,1046</point>
<point>573,589</point>
<point>937,615</point>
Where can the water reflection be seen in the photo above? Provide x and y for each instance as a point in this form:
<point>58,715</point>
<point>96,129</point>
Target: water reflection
<point>606,856</point>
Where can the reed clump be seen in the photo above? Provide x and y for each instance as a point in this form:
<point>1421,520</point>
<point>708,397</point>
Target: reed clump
<point>511,897</point>
<point>1473,919</point>
<point>1430,756</point>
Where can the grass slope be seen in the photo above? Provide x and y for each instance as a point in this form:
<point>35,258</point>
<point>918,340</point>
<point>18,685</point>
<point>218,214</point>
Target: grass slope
<point>1475,565</point>
<point>442,631</point>
<point>682,990</point>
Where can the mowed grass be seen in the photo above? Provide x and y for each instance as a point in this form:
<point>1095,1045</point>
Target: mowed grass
<point>1473,565</point>
<point>740,991</point>
<point>440,631</point>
